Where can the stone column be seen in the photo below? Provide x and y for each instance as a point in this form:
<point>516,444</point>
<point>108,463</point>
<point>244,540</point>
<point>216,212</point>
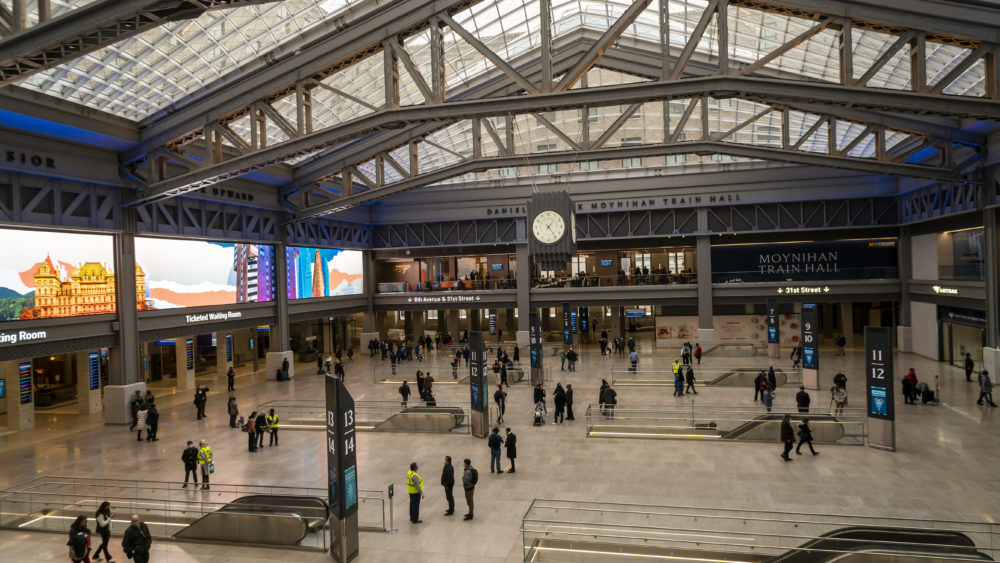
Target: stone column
<point>125,375</point>
<point>706,327</point>
<point>185,376</point>
<point>847,322</point>
<point>904,269</point>
<point>523,278</point>
<point>88,401</point>
<point>990,267</point>
<point>371,327</point>
<point>222,365</point>
<point>453,324</point>
<point>19,417</point>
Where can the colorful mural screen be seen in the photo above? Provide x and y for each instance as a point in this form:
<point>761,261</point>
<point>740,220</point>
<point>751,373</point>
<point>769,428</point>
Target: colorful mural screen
<point>323,272</point>
<point>174,273</point>
<point>47,275</point>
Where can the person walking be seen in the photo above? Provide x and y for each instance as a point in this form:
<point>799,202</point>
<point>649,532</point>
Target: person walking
<point>633,357</point>
<point>338,370</point>
<point>772,381</point>
<point>494,442</point>
<point>200,400</point>
<point>140,421</point>
<point>841,342</point>
<point>757,385</point>
<point>787,436</point>
<point>840,380</point>
<point>678,381</point>
<point>689,377</point>
<point>802,399</point>
<point>404,392</point>
<point>152,423</point>
<point>569,402</point>
<point>137,541</point>
<point>415,488</point>
<point>469,479</point>
<point>510,443</point>
<point>231,379</point>
<point>767,398</point>
<point>448,482</point>
<point>260,427</point>
<point>190,459</point>
<point>79,540</point>
<point>697,352</point>
<point>272,427</point>
<point>572,357</point>
<point>205,461</point>
<point>610,400</point>
<point>805,437</point>
<point>233,410</point>
<point>251,429</point>
<point>500,398</point>
<point>559,399</point>
<point>985,389</point>
<point>600,397</point>
<point>103,517</point>
<point>969,366</point>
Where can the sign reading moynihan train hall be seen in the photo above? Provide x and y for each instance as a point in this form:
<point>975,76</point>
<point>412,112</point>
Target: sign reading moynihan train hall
<point>804,261</point>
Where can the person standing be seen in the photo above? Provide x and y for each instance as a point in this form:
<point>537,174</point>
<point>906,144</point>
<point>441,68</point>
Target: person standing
<point>985,389</point>
<point>787,436</point>
<point>252,431</point>
<point>539,397</point>
<point>140,421</point>
<point>152,423</point>
<point>678,381</point>
<point>840,380</point>
<point>133,407</point>
<point>689,376</point>
<point>511,445</point>
<point>500,398</point>
<point>839,398</point>
<point>448,482</point>
<point>559,399</point>
<point>260,427</point>
<point>231,379</point>
<point>272,427</point>
<point>319,364</point>
<point>503,373</point>
<point>205,461</point>
<point>610,400</point>
<point>757,385</point>
<point>908,391</point>
<point>767,399</point>
<point>969,366</point>
<point>772,381</point>
<point>200,399</point>
<point>633,357</point>
<point>569,401</point>
<point>415,488</point>
<point>103,517</point>
<point>79,540</point>
<point>572,357</point>
<point>562,360</point>
<point>805,437</point>
<point>404,392</point>
<point>697,352</point>
<point>494,442</point>
<point>137,541</point>
<point>338,370</point>
<point>802,399</point>
<point>841,342</point>
<point>469,479</point>
<point>190,459</point>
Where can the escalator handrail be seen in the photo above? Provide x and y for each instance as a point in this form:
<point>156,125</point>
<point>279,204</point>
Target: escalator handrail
<point>939,543</point>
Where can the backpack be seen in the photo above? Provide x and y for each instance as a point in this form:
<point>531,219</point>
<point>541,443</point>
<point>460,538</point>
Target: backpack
<point>475,476</point>
<point>494,442</point>
<point>78,549</point>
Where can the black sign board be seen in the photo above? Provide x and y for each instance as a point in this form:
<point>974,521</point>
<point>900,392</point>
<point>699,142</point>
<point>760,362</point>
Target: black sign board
<point>810,333</point>
<point>805,261</point>
<point>772,322</point>
<point>584,319</point>
<point>94,370</point>
<point>535,341</point>
<point>341,454</point>
<point>878,372</point>
<point>477,371</point>
<point>567,324</point>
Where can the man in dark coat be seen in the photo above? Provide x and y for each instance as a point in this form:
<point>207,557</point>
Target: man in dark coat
<point>137,541</point>
<point>802,399</point>
<point>787,436</point>
<point>448,482</point>
<point>569,402</point>
<point>511,444</point>
<point>756,385</point>
<point>969,366</point>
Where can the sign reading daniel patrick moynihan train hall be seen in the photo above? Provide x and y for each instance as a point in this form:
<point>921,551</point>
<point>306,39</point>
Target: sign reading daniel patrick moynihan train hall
<point>804,261</point>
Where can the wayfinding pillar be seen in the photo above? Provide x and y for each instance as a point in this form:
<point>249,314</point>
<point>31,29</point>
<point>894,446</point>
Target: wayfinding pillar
<point>879,379</point>
<point>17,380</point>
<point>773,326</point>
<point>342,471</point>
<point>523,278</point>
<point>810,346</point>
<point>535,351</point>
<point>281,349</point>
<point>370,328</point>
<point>88,382</point>
<point>477,384</point>
<point>184,355</point>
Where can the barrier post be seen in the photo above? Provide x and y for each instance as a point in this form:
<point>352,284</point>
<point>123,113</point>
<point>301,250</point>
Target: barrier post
<point>392,528</point>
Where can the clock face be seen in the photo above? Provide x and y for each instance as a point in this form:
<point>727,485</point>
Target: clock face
<point>548,227</point>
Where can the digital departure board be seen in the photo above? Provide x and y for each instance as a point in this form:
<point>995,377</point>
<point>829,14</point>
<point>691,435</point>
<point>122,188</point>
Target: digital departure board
<point>24,382</point>
<point>94,370</point>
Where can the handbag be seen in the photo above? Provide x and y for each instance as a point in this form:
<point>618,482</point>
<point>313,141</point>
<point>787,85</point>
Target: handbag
<point>211,468</point>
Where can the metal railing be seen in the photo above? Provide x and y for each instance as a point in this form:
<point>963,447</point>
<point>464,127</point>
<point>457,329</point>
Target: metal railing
<point>704,376</point>
<point>50,503</point>
<point>446,285</point>
<point>311,415</point>
<point>692,421</point>
<point>561,530</point>
<point>616,280</point>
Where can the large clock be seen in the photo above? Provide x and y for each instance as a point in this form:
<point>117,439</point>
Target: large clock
<point>552,240</point>
<point>548,227</point>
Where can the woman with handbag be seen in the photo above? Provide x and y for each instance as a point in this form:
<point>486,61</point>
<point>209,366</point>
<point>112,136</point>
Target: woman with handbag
<point>103,517</point>
<point>79,541</point>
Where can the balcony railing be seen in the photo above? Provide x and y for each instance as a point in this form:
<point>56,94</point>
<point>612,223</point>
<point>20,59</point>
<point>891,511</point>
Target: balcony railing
<point>447,285</point>
<point>620,280</point>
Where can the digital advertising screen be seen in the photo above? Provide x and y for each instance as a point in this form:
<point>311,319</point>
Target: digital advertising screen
<point>172,273</point>
<point>323,272</point>
<point>53,275</point>
<point>605,262</point>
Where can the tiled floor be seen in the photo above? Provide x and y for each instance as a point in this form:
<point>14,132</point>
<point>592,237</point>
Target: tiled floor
<point>943,469</point>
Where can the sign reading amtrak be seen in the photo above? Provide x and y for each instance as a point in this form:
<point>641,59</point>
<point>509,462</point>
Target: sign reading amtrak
<point>804,261</point>
<point>207,317</point>
<point>21,336</point>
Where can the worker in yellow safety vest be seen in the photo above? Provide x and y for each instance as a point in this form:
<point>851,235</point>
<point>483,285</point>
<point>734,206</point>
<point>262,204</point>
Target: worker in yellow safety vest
<point>205,461</point>
<point>414,486</point>
<point>272,427</point>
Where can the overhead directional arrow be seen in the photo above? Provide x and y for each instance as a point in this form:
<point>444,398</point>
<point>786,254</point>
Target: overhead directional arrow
<point>826,289</point>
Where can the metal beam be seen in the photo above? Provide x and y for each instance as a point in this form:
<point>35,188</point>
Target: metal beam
<point>93,27</point>
<point>732,149</point>
<point>602,45</point>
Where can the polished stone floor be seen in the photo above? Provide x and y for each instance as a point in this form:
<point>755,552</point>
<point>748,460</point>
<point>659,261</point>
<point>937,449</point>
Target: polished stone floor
<point>944,467</point>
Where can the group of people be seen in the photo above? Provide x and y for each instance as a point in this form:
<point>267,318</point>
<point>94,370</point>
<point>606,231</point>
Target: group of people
<point>257,425</point>
<point>194,458</point>
<point>914,388</point>
<point>136,540</point>
<point>470,476</point>
<point>607,398</point>
<point>689,353</point>
<point>145,416</point>
<point>568,356</point>
<point>788,435</point>
<point>402,351</point>
<point>683,373</point>
<point>425,383</point>
<point>764,386</point>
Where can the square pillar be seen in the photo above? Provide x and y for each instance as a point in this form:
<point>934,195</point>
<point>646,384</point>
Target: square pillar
<point>523,279</point>
<point>88,400</point>
<point>185,374</point>
<point>19,417</point>
<point>274,361</point>
<point>222,362</point>
<point>706,326</point>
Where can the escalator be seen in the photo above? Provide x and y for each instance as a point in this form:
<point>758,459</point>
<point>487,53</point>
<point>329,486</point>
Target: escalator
<point>854,544</point>
<point>283,520</point>
<point>767,428</point>
<point>743,377</point>
<point>423,419</point>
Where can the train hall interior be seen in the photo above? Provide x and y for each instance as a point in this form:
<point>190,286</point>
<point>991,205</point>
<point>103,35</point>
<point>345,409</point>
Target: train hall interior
<point>590,270</point>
